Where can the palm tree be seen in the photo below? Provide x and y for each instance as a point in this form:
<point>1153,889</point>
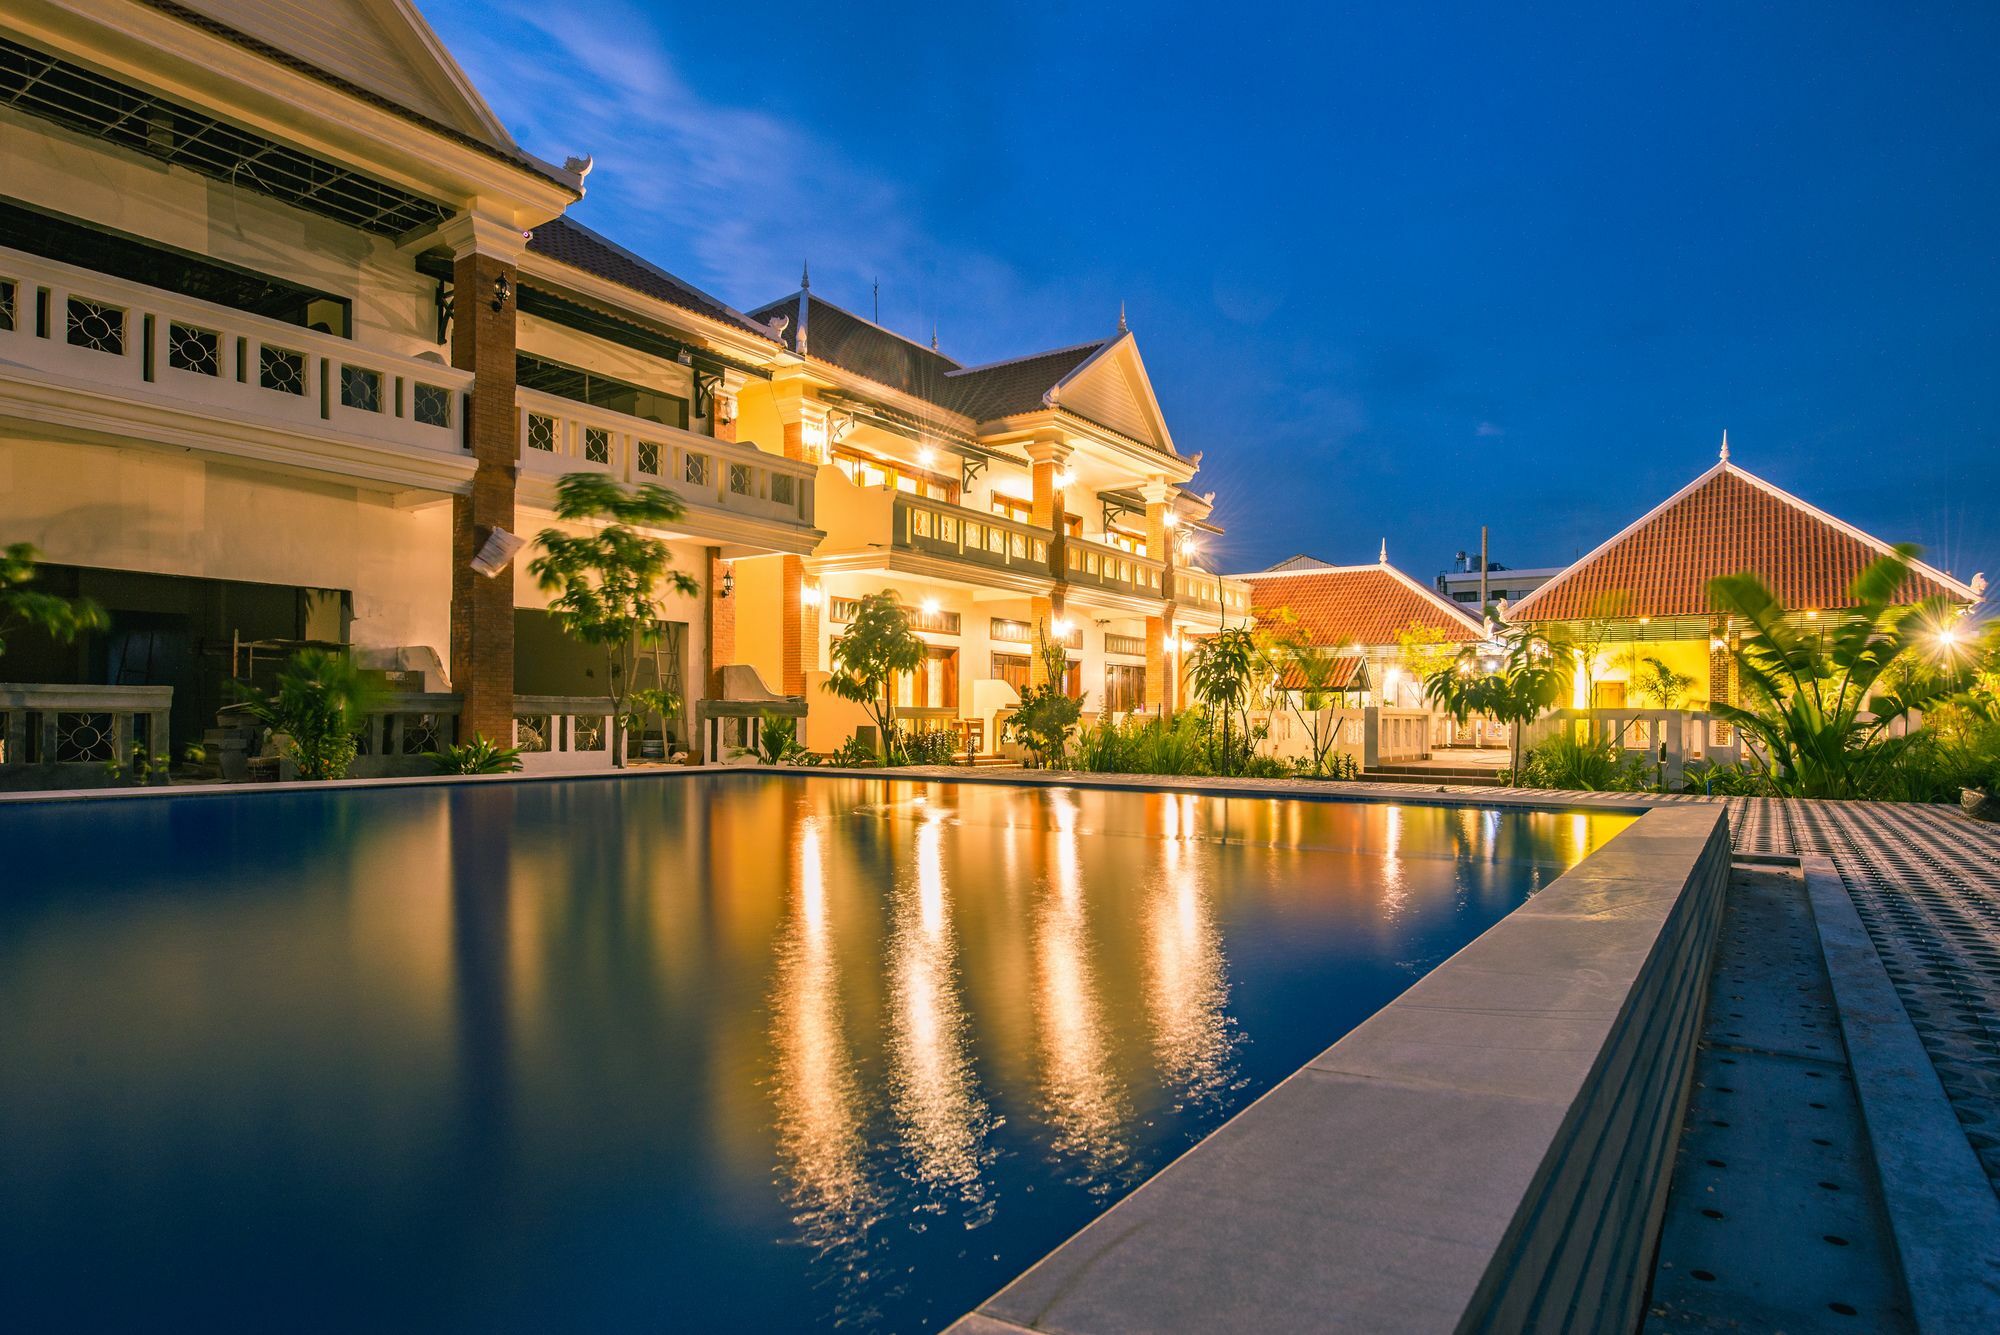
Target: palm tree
<point>1533,676</point>
<point>1822,704</point>
<point>1222,673</point>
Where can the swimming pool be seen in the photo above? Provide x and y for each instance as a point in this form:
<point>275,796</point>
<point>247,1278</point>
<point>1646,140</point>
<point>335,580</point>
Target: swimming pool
<point>729,1051</point>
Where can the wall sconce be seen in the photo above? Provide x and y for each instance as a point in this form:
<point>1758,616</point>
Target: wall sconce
<point>1061,628</point>
<point>926,457</point>
<point>930,607</point>
<point>502,289</point>
<point>1064,480</point>
<point>728,580</point>
<point>1171,519</point>
<point>811,596</point>
<point>814,435</point>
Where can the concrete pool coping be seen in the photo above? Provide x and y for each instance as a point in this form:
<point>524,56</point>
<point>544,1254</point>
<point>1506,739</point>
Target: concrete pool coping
<point>1489,1151</point>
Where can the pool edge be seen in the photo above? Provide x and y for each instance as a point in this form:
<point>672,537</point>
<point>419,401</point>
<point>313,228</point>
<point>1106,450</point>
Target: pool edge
<point>1488,1151</point>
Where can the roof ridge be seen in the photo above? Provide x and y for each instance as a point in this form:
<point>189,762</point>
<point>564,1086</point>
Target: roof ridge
<point>1026,357</point>
<point>564,220</point>
<point>815,297</point>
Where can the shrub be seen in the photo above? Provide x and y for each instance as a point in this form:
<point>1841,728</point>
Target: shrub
<point>1706,776</point>
<point>932,746</point>
<point>481,755</point>
<point>1266,767</point>
<point>1594,766</point>
<point>853,754</point>
<point>321,702</point>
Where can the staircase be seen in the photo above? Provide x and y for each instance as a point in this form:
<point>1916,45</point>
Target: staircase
<point>1434,775</point>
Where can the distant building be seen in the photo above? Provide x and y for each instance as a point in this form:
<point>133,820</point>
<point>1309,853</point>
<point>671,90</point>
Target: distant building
<point>1461,582</point>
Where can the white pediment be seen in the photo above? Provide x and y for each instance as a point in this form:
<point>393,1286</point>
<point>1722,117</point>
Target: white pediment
<point>1113,390</point>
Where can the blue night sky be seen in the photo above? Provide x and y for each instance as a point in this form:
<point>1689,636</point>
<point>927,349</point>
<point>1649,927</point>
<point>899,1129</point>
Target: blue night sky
<point>1396,270</point>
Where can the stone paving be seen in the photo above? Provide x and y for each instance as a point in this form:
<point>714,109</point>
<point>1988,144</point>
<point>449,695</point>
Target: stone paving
<point>1925,880</point>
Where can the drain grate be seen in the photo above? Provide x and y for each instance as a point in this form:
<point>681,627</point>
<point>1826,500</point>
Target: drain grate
<point>1774,1220</point>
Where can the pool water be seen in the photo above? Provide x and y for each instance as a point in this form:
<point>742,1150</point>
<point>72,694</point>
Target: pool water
<point>724,1052</point>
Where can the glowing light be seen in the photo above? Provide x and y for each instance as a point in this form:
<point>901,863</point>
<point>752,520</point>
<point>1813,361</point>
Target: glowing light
<point>930,607</point>
<point>1172,520</point>
<point>1061,627</point>
<point>1812,614</point>
<point>926,456</point>
<point>811,596</point>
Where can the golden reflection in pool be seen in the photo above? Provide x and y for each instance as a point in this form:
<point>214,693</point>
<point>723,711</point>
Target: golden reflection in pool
<point>1395,887</point>
<point>1084,1102</point>
<point>822,1149</point>
<point>1187,988</point>
<point>941,1120</point>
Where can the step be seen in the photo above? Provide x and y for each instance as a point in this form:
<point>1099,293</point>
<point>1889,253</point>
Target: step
<point>1437,778</point>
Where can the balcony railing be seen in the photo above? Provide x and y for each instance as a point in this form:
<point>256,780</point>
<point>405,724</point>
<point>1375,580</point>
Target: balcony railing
<point>938,528</point>
<point>1102,566</point>
<point>158,347</point>
<point>558,435</point>
<point>57,736</point>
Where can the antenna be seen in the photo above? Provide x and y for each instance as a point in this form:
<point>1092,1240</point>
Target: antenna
<point>878,301</point>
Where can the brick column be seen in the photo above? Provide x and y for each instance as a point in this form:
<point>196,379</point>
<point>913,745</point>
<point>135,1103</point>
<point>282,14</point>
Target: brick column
<point>719,637</point>
<point>1042,613</point>
<point>1721,671</point>
<point>482,606</point>
<point>1161,667</point>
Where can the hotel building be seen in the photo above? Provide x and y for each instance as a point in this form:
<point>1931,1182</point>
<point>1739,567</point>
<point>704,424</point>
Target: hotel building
<point>291,328</point>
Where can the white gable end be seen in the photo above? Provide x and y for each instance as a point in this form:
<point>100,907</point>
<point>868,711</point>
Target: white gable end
<point>1112,390</point>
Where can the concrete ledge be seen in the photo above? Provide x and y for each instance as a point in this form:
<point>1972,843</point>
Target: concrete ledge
<point>1488,1152</point>
<point>1933,1187</point>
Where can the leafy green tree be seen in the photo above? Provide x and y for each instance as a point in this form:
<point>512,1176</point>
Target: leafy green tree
<point>1047,713</point>
<point>879,646</point>
<point>608,582</point>
<point>1302,682</point>
<point>1224,673</point>
<point>1823,705</point>
<point>1423,650</point>
<point>1652,676</point>
<point>61,619</point>
<point>320,702</point>
<point>1533,676</point>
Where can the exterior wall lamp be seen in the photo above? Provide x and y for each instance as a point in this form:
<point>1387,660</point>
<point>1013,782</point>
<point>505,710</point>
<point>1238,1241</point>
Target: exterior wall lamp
<point>502,289</point>
<point>728,580</point>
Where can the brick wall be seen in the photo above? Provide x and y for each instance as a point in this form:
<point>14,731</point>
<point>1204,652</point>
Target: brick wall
<point>482,607</point>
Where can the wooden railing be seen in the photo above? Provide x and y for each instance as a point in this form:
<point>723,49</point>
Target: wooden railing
<point>1102,566</point>
<point>938,528</point>
<point>159,347</point>
<point>557,435</point>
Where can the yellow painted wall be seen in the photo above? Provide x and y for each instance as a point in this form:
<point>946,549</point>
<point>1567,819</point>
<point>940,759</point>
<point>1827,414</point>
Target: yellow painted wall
<point>1684,656</point>
<point>760,604</point>
<point>757,418</point>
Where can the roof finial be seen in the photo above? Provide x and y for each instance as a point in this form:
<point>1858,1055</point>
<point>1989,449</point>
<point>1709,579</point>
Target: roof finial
<point>806,275</point>
<point>1384,557</point>
<point>933,335</point>
<point>1725,444</point>
<point>1122,328</point>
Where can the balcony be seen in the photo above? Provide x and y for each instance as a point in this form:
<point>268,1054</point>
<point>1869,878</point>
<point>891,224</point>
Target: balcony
<point>106,358</point>
<point>1096,565</point>
<point>971,537</point>
<point>733,491</point>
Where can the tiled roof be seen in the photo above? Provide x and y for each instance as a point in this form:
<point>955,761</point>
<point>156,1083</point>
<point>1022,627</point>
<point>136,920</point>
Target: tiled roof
<point>1723,523</point>
<point>1349,673</point>
<point>854,344</point>
<point>569,242</point>
<point>1002,389</point>
<point>1366,605</point>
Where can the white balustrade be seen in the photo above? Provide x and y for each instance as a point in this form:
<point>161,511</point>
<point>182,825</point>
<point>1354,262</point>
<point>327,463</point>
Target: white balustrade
<point>558,436</point>
<point>154,346</point>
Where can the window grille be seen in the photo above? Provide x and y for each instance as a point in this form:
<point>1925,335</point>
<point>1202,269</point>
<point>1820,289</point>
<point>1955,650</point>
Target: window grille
<point>361,388</point>
<point>281,369</point>
<point>96,326</point>
<point>432,404</point>
<point>192,349</point>
<point>541,433</point>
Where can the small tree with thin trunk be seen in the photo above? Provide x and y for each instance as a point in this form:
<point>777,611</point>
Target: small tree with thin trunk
<point>1530,681</point>
<point>1302,680</point>
<point>61,619</point>
<point>879,645</point>
<point>608,583</point>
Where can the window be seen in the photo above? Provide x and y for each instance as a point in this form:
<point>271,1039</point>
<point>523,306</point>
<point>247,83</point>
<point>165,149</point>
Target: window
<point>541,433</point>
<point>1124,688</point>
<point>934,685</point>
<point>191,349</point>
<point>432,405</point>
<point>1125,644</point>
<point>947,526</point>
<point>784,488</point>
<point>281,369</point>
<point>597,445</point>
<point>694,470</point>
<point>742,480</point>
<point>649,457</point>
<point>360,388</point>
<point>96,326</point>
<point>1020,511</point>
<point>1012,669</point>
<point>920,523</point>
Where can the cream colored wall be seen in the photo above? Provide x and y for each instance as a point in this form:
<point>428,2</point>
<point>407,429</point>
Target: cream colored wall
<point>759,599</point>
<point>175,514</point>
<point>757,420</point>
<point>544,339</point>
<point>394,307</point>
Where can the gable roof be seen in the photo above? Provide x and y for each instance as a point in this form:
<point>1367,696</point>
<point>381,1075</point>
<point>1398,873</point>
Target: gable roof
<point>1724,522</point>
<point>837,335</point>
<point>1019,385</point>
<point>1350,673</point>
<point>1343,605</point>
<point>569,242</point>
<point>380,51</point>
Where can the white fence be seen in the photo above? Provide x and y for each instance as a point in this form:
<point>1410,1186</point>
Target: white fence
<point>1667,738</point>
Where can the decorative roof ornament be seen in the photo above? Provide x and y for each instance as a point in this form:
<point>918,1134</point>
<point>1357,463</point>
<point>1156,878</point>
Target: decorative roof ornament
<point>580,165</point>
<point>1123,328</point>
<point>805,304</point>
<point>1725,444</point>
<point>1384,557</point>
<point>934,346</point>
<point>1978,585</point>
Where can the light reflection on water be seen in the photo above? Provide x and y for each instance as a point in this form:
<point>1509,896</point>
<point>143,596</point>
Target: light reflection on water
<point>738,1052</point>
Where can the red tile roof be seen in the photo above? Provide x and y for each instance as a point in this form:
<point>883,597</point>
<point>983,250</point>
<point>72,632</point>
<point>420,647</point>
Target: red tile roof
<point>1348,674</point>
<point>1368,605</point>
<point>1726,521</point>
